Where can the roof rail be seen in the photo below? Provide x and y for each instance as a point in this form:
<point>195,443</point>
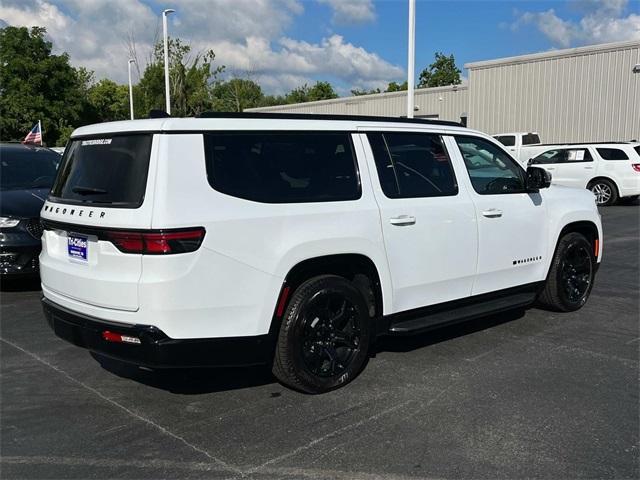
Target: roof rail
<point>319,116</point>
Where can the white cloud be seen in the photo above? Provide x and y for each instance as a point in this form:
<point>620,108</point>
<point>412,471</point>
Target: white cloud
<point>351,11</point>
<point>603,21</point>
<point>246,35</point>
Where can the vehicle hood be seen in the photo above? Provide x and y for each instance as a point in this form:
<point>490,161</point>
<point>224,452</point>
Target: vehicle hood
<point>22,203</point>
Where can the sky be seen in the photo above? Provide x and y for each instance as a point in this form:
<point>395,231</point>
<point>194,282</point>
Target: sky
<point>283,44</point>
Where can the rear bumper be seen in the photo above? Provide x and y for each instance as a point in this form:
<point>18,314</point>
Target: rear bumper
<point>156,349</point>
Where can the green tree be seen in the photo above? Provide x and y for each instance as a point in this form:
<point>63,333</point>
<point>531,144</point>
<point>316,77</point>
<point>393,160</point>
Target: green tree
<point>237,94</point>
<point>305,93</point>
<point>397,87</point>
<point>108,101</point>
<point>190,80</point>
<point>36,85</point>
<point>322,91</point>
<point>440,73</point>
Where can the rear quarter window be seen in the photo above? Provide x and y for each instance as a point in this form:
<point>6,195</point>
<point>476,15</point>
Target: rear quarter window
<point>282,167</point>
<point>612,154</point>
<point>110,170</point>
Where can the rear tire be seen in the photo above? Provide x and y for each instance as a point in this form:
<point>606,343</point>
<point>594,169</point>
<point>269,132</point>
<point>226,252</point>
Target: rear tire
<point>571,275</point>
<point>324,337</point>
<point>605,192</point>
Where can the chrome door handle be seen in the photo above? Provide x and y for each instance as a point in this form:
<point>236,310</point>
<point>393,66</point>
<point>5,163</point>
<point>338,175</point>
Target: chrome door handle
<point>588,168</point>
<point>402,220</point>
<point>551,168</point>
<point>492,213</point>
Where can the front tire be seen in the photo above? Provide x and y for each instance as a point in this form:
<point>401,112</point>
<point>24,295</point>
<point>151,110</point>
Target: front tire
<point>324,337</point>
<point>571,275</point>
<point>605,192</point>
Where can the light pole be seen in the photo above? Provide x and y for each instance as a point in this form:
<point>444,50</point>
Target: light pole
<point>131,60</point>
<point>166,58</point>
<point>411,60</point>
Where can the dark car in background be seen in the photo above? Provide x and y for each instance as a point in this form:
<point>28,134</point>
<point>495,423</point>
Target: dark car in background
<point>27,173</point>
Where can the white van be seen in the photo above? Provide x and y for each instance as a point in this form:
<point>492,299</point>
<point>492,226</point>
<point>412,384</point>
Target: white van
<point>295,240</point>
<point>610,170</point>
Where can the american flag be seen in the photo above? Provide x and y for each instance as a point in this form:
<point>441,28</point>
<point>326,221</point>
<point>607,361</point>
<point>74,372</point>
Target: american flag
<point>35,135</point>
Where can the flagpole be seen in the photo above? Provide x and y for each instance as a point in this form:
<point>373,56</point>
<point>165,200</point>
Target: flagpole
<point>40,128</point>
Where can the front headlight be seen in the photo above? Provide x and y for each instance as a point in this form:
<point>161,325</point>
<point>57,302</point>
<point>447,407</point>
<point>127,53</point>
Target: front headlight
<point>6,222</point>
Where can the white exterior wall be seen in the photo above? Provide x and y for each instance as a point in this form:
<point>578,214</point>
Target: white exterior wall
<point>575,95</point>
<point>448,103</point>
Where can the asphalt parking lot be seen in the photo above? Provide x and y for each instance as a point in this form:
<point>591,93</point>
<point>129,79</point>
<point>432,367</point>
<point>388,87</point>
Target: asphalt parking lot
<point>524,394</point>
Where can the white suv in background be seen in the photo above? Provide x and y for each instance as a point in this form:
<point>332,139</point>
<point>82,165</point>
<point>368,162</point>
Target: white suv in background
<point>610,170</point>
<point>297,240</point>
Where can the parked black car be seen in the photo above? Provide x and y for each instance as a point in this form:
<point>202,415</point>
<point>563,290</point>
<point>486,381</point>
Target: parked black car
<point>26,175</point>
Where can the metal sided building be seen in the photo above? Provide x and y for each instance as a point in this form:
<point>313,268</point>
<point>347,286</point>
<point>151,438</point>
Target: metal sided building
<point>444,103</point>
<point>573,95</point>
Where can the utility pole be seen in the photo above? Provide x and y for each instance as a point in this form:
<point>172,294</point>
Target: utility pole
<point>411,60</point>
<point>167,95</point>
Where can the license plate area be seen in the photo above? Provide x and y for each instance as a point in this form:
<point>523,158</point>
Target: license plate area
<point>78,247</point>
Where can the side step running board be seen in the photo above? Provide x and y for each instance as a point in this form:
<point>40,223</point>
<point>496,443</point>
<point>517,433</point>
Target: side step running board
<point>440,315</point>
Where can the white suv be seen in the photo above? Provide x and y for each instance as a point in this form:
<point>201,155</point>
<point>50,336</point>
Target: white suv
<point>610,170</point>
<point>297,240</point>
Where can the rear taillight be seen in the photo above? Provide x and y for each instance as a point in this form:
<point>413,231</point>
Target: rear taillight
<point>636,166</point>
<point>162,242</point>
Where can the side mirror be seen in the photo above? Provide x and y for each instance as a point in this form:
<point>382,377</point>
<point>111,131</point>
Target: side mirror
<point>537,178</point>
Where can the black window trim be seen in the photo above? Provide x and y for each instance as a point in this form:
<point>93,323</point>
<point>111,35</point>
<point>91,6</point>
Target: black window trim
<point>523,173</point>
<point>348,133</point>
<point>395,174</point>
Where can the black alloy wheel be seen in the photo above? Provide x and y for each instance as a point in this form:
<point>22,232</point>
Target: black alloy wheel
<point>324,337</point>
<point>576,271</point>
<point>571,274</point>
<point>331,334</point>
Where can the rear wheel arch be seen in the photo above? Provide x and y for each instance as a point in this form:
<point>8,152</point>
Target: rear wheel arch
<point>357,268</point>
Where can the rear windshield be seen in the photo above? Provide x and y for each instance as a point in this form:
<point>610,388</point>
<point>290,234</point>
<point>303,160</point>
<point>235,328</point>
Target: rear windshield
<point>26,168</point>
<point>274,167</point>
<point>530,139</point>
<point>108,170</point>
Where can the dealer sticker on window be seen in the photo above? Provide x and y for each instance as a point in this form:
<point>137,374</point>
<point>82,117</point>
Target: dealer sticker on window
<point>78,247</point>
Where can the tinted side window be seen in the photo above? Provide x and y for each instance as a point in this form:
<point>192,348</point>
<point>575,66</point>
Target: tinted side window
<point>612,154</point>
<point>530,139</point>
<point>563,155</point>
<point>274,167</point>
<point>506,140</point>
<point>413,165</point>
<point>637,149</point>
<point>491,170</point>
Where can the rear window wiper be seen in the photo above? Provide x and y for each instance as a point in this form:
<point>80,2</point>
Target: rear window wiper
<point>88,190</point>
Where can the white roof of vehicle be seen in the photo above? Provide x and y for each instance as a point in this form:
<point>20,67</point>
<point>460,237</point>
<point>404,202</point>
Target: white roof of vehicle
<point>254,122</point>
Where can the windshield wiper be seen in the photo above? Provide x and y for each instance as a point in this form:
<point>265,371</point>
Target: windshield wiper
<point>88,190</point>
